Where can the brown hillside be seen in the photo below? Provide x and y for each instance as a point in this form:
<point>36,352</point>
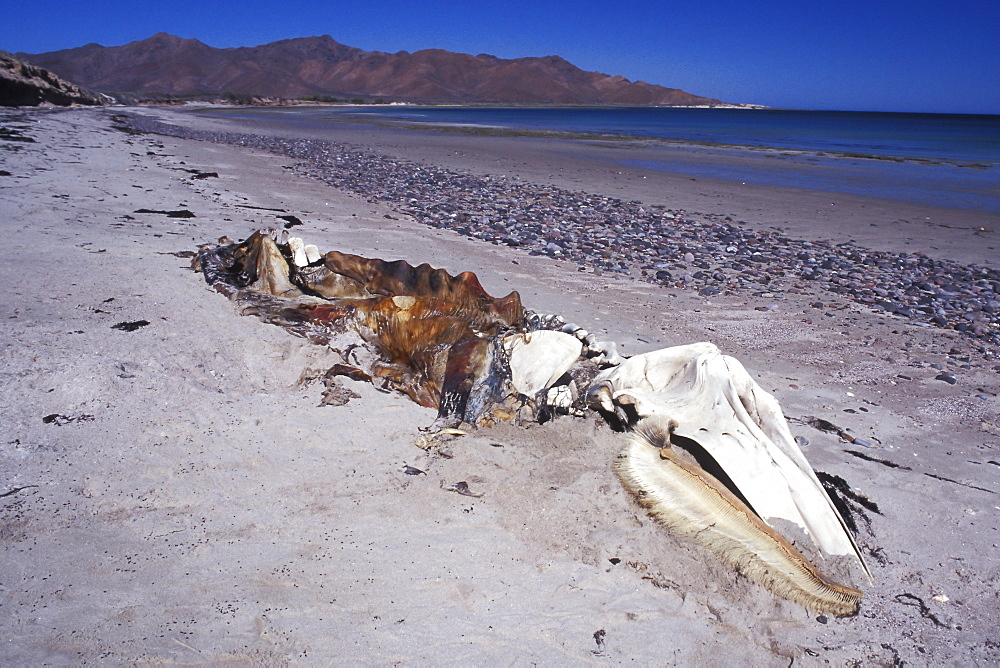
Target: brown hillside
<point>165,64</point>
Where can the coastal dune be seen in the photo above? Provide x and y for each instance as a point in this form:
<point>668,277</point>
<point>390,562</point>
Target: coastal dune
<point>175,488</point>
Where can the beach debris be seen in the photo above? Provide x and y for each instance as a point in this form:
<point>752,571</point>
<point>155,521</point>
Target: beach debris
<point>130,326</point>
<point>14,134</point>
<point>435,441</point>
<point>59,419</point>
<point>336,394</point>
<point>12,492</point>
<point>830,428</point>
<point>915,601</point>
<point>290,220</point>
<point>957,482</point>
<point>462,488</point>
<point>849,503</point>
<point>477,359</point>
<point>883,462</point>
<point>178,213</point>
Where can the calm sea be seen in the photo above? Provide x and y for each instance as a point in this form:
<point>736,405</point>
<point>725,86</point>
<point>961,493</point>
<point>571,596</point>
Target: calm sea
<point>939,159</point>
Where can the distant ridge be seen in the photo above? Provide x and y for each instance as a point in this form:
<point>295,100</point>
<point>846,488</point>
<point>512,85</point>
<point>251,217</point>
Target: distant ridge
<point>320,66</point>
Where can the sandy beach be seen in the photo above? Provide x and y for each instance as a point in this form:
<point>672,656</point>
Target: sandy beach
<point>174,491</point>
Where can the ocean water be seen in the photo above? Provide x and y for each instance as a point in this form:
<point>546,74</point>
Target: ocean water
<point>947,160</point>
<point>948,137</point>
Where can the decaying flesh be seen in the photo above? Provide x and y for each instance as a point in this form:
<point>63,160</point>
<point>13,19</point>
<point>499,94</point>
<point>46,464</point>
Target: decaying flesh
<point>447,344</point>
<point>418,330</point>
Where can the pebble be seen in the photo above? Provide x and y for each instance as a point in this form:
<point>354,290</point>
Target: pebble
<point>655,243</point>
<point>951,380</point>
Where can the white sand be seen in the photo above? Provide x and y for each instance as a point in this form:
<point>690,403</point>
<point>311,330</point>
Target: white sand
<point>194,504</point>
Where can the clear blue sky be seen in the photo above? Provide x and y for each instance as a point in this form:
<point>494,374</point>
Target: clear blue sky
<point>881,55</point>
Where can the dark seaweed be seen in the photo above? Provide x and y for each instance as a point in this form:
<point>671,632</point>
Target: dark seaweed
<point>130,326</point>
<point>290,221</point>
<point>883,462</point>
<point>13,134</point>
<point>57,419</point>
<point>917,602</point>
<point>850,503</point>
<point>180,213</point>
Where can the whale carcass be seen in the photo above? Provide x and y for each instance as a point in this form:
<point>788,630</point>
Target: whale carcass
<point>447,344</point>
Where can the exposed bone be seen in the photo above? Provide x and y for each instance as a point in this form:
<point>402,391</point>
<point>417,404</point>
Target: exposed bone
<point>298,250</point>
<point>710,398</point>
<point>312,253</point>
<point>560,397</point>
<point>539,359</point>
<point>606,353</point>
<point>534,321</point>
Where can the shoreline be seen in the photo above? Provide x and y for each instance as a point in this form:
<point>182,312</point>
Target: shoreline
<point>625,140</point>
<point>176,491</point>
<point>714,255</point>
<point>815,215</point>
<point>357,114</point>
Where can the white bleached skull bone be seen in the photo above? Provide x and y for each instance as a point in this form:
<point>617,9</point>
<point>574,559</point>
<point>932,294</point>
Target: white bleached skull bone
<point>710,398</point>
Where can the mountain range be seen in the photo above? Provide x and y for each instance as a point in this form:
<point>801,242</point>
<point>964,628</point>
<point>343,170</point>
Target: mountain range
<point>322,67</point>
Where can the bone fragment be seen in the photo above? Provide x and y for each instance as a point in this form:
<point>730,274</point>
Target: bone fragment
<point>298,249</point>
<point>560,397</point>
<point>312,253</point>
<point>539,359</point>
<point>606,353</point>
